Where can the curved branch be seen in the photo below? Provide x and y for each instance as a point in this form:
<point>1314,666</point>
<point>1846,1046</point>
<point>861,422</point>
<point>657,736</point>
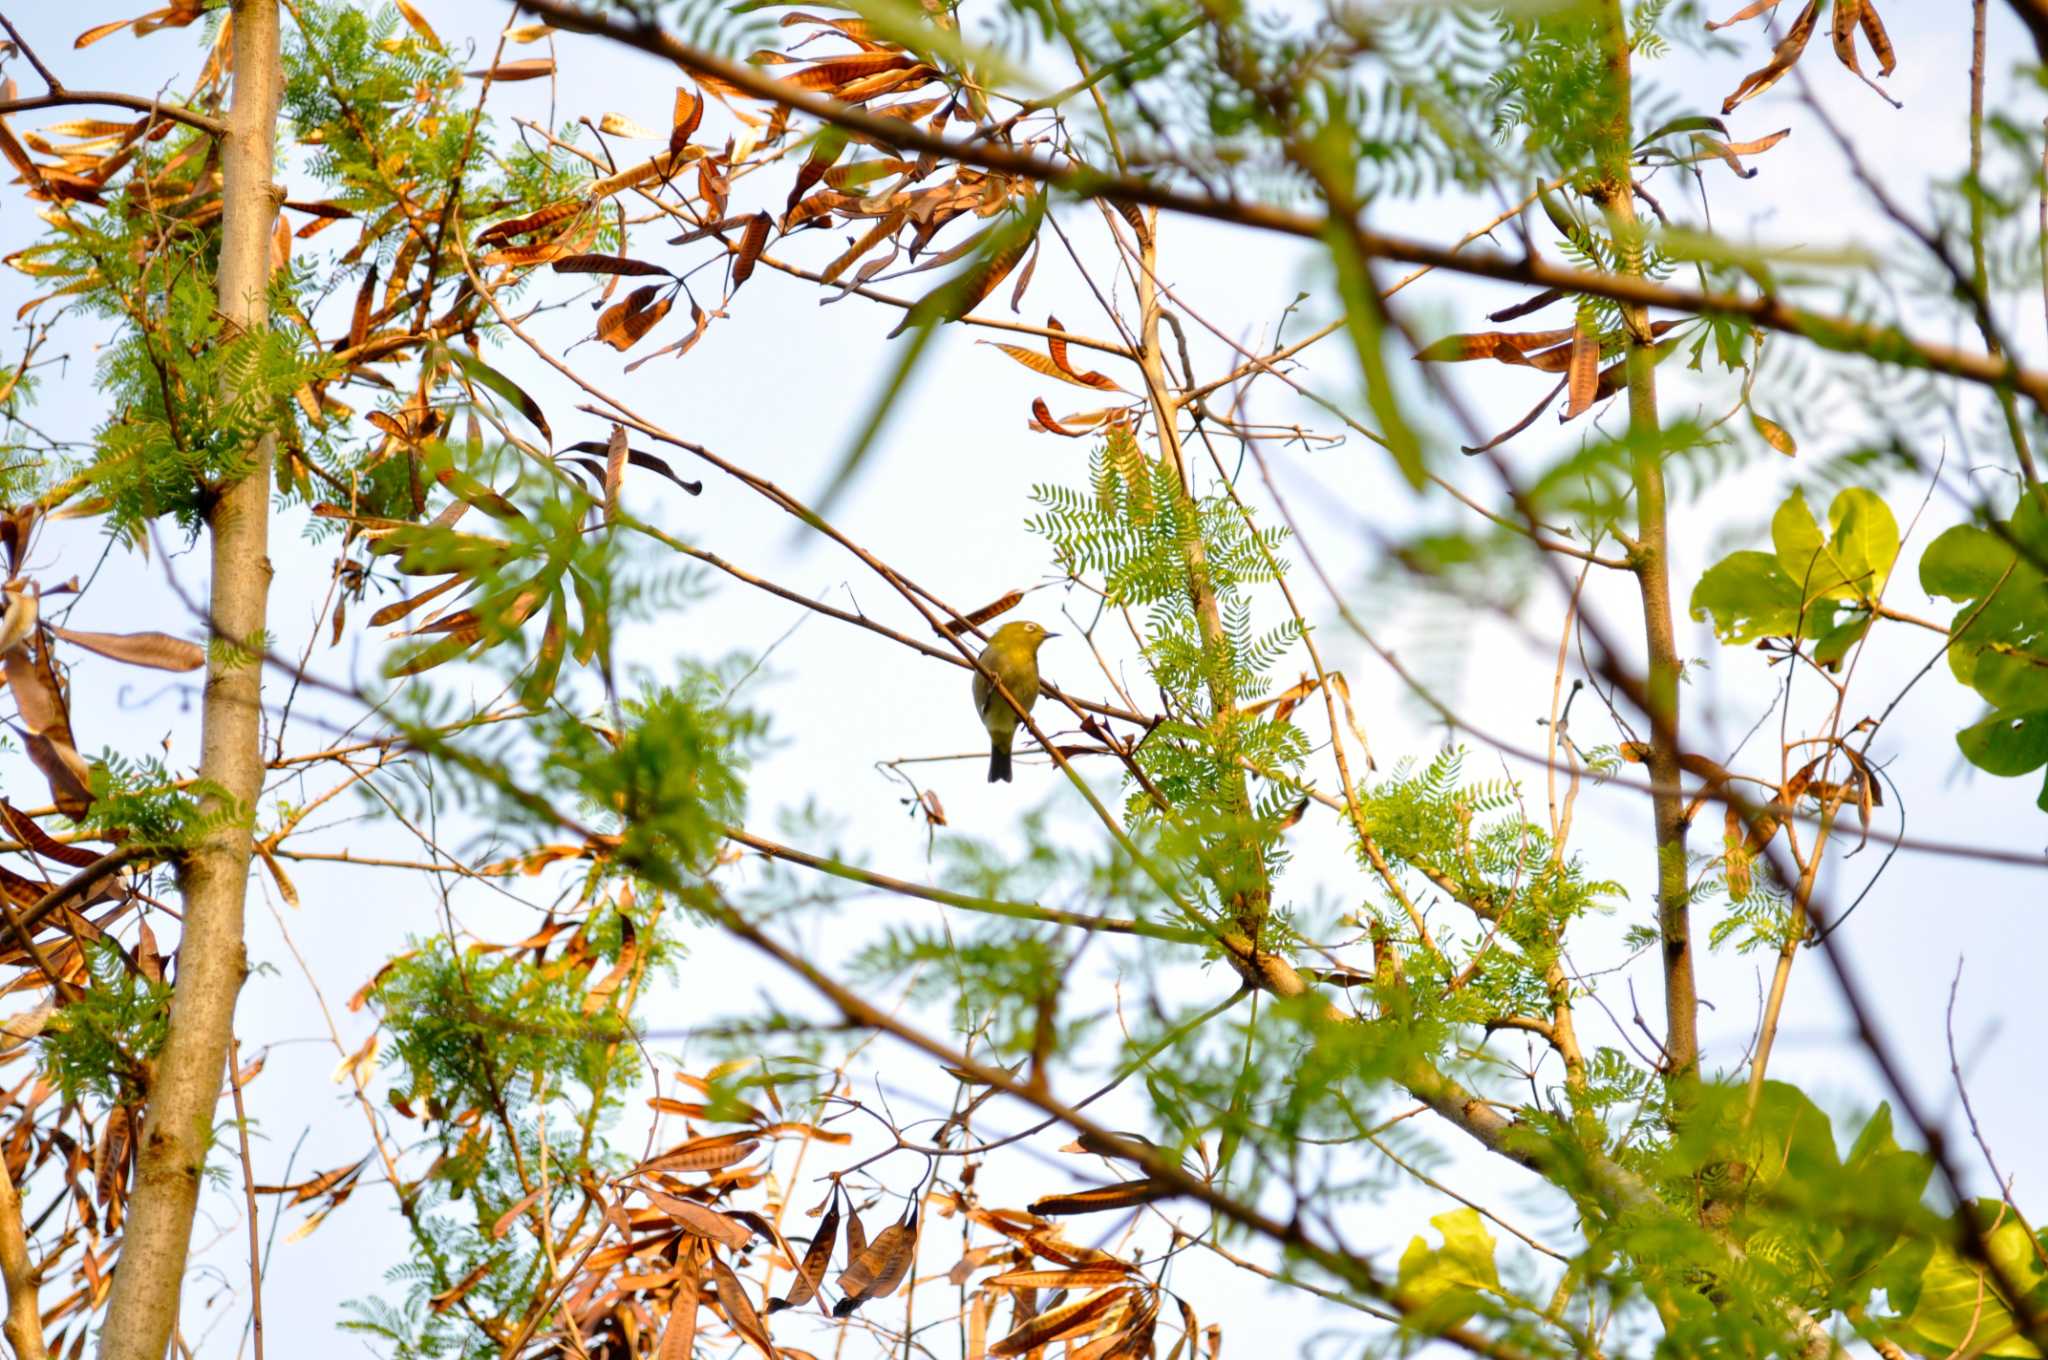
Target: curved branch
<point>1882,343</point>
<point>61,98</point>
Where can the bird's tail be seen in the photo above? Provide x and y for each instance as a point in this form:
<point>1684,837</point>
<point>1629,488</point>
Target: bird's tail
<point>998,764</point>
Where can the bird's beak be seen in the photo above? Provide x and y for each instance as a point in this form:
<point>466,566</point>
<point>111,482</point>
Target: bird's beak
<point>1049,637</point>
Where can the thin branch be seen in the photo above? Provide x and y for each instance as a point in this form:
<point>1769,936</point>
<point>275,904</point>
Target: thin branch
<point>1156,1162</point>
<point>1883,343</point>
<point>249,1196</point>
<point>62,98</point>
<point>1023,911</point>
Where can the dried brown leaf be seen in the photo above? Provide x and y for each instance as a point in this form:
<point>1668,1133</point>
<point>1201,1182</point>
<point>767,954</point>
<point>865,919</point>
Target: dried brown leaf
<point>688,113</point>
<point>879,1268</point>
<point>455,1293</point>
<point>1583,377</point>
<point>37,696</point>
<point>624,324</point>
<point>1764,143</point>
<point>751,245</point>
<point>1051,368</point>
<point>526,68</point>
<point>1782,58</point>
<point>1069,1319</point>
<point>837,71</point>
<point>976,618</point>
<point>739,1309</point>
<point>619,125</point>
<point>158,650</point>
<point>977,1326</point>
<point>699,1221</point>
<point>1024,282</point>
<point>512,1214</point>
<point>1102,1198</point>
<point>30,833</point>
<point>640,458</point>
<point>285,887</point>
<point>1749,11</point>
<point>607,264</point>
<point>614,470</point>
<point>1510,347</point>
<point>366,298</point>
<point>1077,1277</point>
<point>397,610</point>
<point>532,222</point>
<point>817,1257</point>
<point>1880,41</point>
<point>884,227</point>
<point>1774,434</point>
<point>714,1153</point>
<point>1285,702</point>
<point>679,1334</point>
<point>326,1182</point>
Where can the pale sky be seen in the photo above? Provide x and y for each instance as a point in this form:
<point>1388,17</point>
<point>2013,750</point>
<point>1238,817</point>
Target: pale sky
<point>780,385</point>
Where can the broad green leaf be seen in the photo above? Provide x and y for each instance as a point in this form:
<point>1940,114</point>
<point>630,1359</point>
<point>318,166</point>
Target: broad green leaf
<point>1790,1138</point>
<point>1852,561</point>
<point>1796,536</point>
<point>2007,743</point>
<point>1445,1282</point>
<point>1959,1310</point>
<point>1964,563</point>
<point>1749,596</point>
<point>1864,538</point>
<point>1999,636</point>
<point>1885,1244</point>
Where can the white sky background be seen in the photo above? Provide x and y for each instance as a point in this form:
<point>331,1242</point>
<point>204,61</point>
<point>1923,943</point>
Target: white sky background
<point>780,386</point>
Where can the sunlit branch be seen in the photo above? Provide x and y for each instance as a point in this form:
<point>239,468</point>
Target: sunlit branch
<point>1022,911</point>
<point>1882,343</point>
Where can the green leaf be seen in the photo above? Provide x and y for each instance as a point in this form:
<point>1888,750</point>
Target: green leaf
<point>1445,1283</point>
<point>1749,596</point>
<point>2007,743</point>
<point>1964,563</point>
<point>1885,1244</point>
<point>1958,1307</point>
<point>1865,539</point>
<point>1790,1138</point>
<point>1856,557</point>
<point>1367,323</point>
<point>1796,536</point>
<point>1999,636</point>
<point>1835,643</point>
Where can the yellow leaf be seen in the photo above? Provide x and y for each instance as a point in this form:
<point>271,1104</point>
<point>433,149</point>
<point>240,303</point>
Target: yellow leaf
<point>619,125</point>
<point>419,24</point>
<point>1774,434</point>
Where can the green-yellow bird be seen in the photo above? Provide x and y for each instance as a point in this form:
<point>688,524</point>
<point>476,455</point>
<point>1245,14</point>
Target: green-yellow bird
<point>1012,654</point>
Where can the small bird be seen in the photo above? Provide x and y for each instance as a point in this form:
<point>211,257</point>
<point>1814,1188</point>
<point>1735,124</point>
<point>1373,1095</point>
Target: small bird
<point>1012,654</point>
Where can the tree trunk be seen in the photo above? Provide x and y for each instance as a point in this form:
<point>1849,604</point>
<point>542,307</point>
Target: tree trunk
<point>185,1087</point>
